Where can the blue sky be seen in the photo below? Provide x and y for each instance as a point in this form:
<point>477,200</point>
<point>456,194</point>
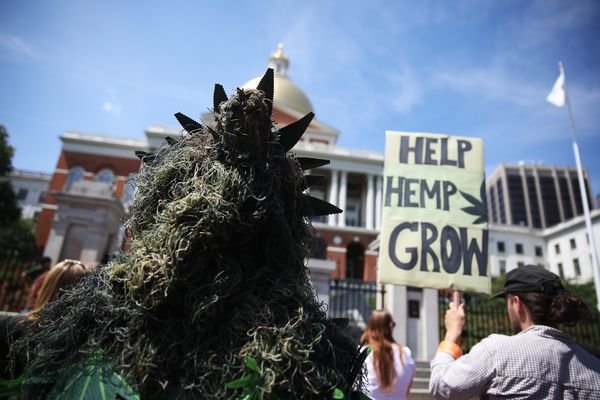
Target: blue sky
<point>475,68</point>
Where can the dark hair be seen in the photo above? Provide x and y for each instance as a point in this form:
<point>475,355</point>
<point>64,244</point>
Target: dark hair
<point>553,309</point>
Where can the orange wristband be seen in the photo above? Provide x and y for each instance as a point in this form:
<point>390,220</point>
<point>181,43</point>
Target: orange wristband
<point>451,348</point>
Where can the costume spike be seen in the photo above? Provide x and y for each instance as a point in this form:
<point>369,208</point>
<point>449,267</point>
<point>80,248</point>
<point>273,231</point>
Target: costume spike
<point>310,163</point>
<point>213,133</point>
<point>267,85</point>
<point>313,180</point>
<point>187,123</point>
<point>290,134</point>
<point>145,156</point>
<point>318,207</point>
<point>219,96</point>
<point>170,141</point>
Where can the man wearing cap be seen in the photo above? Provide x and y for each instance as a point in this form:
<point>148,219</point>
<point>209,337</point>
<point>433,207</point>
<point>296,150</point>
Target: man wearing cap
<point>538,362</point>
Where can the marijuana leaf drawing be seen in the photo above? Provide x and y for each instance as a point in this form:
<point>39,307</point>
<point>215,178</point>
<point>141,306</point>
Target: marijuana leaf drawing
<point>478,207</point>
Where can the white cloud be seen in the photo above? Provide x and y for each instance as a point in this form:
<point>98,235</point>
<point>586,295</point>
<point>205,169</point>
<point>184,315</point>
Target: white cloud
<point>111,108</point>
<point>492,84</point>
<point>15,45</point>
<point>407,92</point>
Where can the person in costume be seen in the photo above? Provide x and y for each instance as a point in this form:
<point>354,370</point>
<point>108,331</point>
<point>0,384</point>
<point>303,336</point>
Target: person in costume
<point>212,299</point>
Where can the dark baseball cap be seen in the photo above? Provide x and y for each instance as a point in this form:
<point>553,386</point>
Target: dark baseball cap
<point>531,279</point>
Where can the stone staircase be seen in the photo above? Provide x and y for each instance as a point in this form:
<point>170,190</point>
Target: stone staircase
<point>420,386</point>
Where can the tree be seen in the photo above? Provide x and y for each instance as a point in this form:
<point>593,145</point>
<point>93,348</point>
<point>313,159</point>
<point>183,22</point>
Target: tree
<point>16,237</point>
<point>9,208</point>
<point>586,291</point>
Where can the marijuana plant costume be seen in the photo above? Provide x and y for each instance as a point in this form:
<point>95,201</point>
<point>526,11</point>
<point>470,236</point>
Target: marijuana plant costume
<point>213,298</point>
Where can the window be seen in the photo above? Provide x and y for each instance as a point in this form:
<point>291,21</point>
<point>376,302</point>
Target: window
<point>520,264</point>
<point>22,194</point>
<point>576,267</point>
<point>573,244</point>
<point>557,248</point>
<point>105,175</point>
<point>538,251</point>
<point>561,272</point>
<point>516,198</point>
<point>42,197</point>
<point>502,264</point>
<point>500,247</point>
<point>351,214</point>
<point>519,248</point>
<point>75,175</point>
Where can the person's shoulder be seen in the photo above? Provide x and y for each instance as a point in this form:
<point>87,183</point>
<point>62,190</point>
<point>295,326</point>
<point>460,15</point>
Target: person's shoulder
<point>405,350</point>
<point>493,342</point>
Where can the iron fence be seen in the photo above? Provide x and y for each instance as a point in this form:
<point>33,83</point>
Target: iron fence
<point>355,300</point>
<point>483,320</point>
<point>13,281</point>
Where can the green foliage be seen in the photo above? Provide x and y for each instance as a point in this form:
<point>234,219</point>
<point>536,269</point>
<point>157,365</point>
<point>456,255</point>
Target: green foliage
<point>587,291</point>
<point>487,300</point>
<point>249,383</point>
<point>17,240</point>
<point>10,388</point>
<point>8,200</point>
<point>16,235</point>
<point>92,378</point>
<point>6,152</point>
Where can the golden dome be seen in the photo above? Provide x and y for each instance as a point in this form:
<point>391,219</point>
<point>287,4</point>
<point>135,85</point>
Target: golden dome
<point>287,94</point>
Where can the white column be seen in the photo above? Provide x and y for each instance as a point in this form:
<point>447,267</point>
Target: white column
<point>320,271</point>
<point>333,196</point>
<point>369,206</point>
<point>431,322</point>
<point>342,197</point>
<point>54,244</point>
<point>378,201</point>
<point>396,304</point>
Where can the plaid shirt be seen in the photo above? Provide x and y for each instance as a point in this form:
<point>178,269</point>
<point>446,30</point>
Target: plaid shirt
<point>537,363</point>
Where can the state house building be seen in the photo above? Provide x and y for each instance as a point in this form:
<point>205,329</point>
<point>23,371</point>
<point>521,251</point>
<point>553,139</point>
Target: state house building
<point>93,183</point>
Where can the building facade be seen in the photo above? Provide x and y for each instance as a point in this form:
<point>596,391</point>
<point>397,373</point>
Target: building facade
<point>537,196</point>
<point>563,248</point>
<point>30,188</point>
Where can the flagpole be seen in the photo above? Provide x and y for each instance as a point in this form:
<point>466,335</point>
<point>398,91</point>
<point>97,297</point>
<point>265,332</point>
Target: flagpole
<point>584,198</point>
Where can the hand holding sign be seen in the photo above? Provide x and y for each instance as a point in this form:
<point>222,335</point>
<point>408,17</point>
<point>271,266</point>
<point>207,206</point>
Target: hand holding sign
<point>454,319</point>
<point>434,229</point>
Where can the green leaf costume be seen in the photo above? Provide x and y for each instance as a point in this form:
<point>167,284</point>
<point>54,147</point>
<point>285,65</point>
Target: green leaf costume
<point>212,300</point>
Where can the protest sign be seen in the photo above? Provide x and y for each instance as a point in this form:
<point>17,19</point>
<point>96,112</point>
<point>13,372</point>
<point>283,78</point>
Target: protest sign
<point>434,220</point>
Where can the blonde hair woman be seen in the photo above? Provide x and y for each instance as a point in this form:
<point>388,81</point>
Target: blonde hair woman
<point>60,277</point>
<point>390,367</point>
